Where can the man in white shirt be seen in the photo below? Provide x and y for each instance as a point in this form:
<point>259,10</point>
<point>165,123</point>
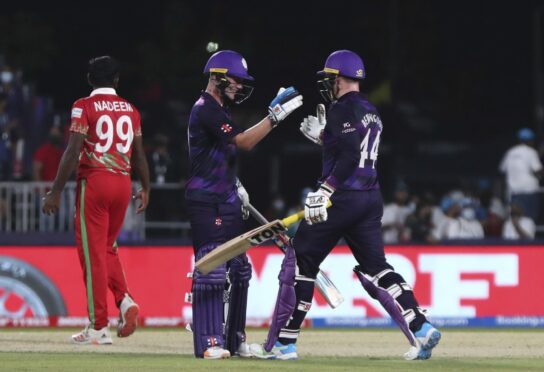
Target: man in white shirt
<point>522,168</point>
<point>460,223</point>
<point>394,216</point>
<point>518,226</point>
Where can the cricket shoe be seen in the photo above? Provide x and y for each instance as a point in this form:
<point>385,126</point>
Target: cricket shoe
<point>128,317</point>
<point>91,336</point>
<point>216,352</point>
<point>426,339</point>
<point>244,351</point>
<point>279,351</point>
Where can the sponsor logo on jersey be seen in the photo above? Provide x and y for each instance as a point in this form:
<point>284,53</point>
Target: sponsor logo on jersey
<point>348,128</point>
<point>76,112</point>
<point>226,128</point>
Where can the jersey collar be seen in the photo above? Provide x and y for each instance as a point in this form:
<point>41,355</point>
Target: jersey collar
<point>103,91</point>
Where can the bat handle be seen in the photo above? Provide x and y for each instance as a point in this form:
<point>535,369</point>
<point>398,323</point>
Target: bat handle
<point>288,221</point>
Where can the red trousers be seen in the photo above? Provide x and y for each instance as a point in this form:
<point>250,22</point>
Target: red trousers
<point>101,204</point>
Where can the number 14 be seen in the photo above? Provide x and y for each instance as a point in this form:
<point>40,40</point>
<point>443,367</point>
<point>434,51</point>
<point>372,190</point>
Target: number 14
<point>373,150</point>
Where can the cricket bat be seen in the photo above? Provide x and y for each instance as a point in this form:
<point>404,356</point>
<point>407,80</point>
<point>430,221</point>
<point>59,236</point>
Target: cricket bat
<point>324,285</point>
<point>242,243</point>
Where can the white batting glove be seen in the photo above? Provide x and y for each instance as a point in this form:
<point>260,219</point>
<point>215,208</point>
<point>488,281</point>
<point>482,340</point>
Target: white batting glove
<point>287,101</point>
<point>244,198</point>
<point>312,126</point>
<point>315,207</point>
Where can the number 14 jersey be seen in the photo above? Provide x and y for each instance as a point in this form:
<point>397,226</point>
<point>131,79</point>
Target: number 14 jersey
<point>109,124</point>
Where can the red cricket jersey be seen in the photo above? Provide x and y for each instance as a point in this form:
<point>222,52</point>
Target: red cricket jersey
<point>110,124</point>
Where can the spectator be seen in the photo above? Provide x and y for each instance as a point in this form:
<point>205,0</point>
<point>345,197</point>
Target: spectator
<point>160,160</point>
<point>494,220</point>
<point>518,226</point>
<point>460,222</point>
<point>47,157</point>
<point>8,139</point>
<point>394,216</point>
<point>420,223</point>
<point>522,168</point>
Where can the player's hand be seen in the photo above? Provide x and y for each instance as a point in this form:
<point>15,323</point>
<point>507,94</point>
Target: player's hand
<point>244,198</point>
<point>315,207</point>
<point>143,195</point>
<point>312,126</point>
<point>51,203</point>
<point>287,101</point>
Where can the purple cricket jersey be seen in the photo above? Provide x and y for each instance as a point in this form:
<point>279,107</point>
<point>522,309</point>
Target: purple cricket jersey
<point>212,156</point>
<point>351,140</point>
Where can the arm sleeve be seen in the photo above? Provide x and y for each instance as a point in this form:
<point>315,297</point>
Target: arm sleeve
<point>79,122</point>
<point>219,125</point>
<point>536,165</point>
<point>348,153</point>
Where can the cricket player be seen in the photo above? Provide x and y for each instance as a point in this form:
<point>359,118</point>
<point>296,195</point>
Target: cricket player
<point>105,144</point>
<point>350,136</point>
<point>215,199</point>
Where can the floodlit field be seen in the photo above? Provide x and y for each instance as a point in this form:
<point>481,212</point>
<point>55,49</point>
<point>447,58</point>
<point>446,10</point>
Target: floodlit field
<point>319,350</point>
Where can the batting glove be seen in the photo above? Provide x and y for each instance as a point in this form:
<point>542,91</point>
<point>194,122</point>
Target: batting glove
<point>315,208</point>
<point>244,198</point>
<point>312,126</point>
<point>287,101</point>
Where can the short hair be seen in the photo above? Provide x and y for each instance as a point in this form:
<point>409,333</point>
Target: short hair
<point>103,71</point>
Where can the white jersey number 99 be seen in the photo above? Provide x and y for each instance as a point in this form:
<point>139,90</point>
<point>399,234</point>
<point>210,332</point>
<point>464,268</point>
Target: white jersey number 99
<point>105,132</point>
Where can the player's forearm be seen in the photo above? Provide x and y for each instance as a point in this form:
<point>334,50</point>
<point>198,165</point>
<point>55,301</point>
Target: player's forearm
<point>252,136</point>
<point>67,165</point>
<point>139,164</point>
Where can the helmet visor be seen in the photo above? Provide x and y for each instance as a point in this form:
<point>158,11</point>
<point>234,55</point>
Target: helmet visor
<point>325,85</point>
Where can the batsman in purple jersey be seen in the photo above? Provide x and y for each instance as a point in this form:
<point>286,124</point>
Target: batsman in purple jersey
<point>216,201</point>
<point>350,136</point>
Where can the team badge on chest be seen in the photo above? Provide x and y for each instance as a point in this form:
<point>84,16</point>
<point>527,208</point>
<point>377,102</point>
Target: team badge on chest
<point>226,128</point>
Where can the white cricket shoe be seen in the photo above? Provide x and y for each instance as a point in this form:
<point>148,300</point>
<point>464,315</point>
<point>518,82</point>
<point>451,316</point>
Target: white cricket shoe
<point>244,351</point>
<point>91,336</point>
<point>216,352</point>
<point>426,338</point>
<point>279,351</point>
<point>128,317</point>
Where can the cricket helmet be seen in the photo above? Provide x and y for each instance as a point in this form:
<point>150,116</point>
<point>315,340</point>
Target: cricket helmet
<point>229,63</point>
<point>340,63</point>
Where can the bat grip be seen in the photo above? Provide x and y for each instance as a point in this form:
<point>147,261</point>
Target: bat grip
<point>288,221</point>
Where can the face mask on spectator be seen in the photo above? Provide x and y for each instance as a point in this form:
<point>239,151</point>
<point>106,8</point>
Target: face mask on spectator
<point>6,77</point>
<point>468,214</point>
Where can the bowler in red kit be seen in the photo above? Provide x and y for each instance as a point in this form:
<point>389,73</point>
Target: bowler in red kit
<point>105,144</point>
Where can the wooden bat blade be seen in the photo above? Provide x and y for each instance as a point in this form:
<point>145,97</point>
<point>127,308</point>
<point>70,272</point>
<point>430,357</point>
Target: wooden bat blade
<point>239,245</point>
